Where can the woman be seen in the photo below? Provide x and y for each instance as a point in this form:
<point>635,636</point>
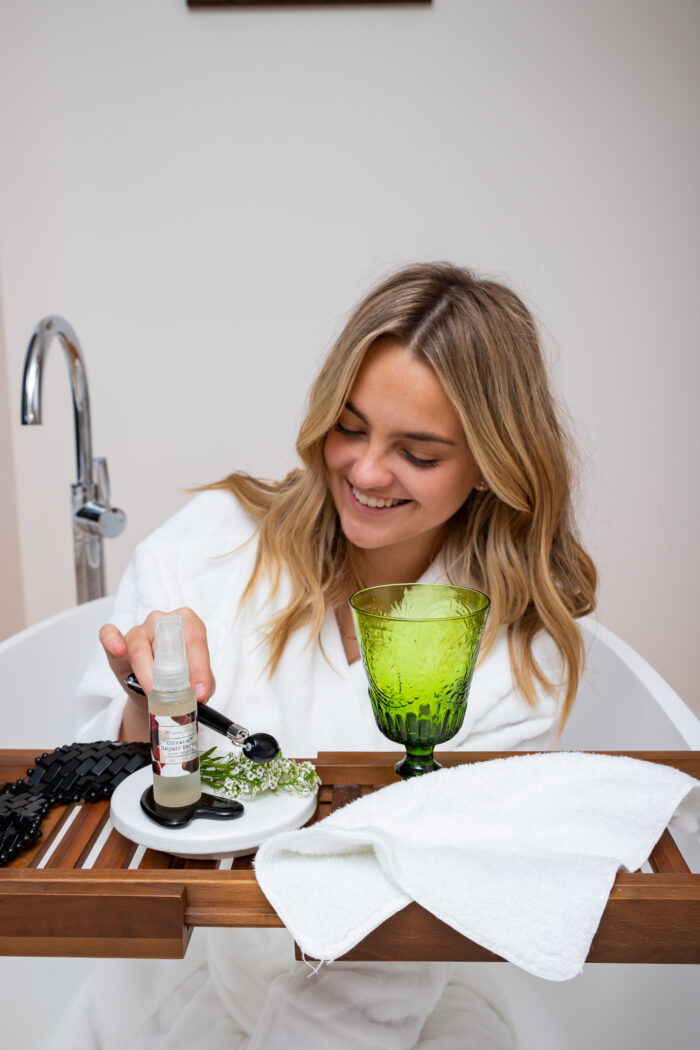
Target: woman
<point>430,450</point>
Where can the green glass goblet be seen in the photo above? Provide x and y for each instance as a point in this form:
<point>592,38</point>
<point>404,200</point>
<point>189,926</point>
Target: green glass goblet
<point>419,643</point>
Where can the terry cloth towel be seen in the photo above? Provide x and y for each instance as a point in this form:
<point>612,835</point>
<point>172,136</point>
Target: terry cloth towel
<point>519,854</point>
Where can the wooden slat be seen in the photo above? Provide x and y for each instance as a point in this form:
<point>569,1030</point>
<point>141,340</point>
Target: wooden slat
<point>650,919</point>
<point>75,846</point>
<point>51,827</point>
<point>666,857</point>
<point>243,863</point>
<point>116,852</point>
<point>377,767</point>
<point>232,895</point>
<point>154,860</point>
<point>343,794</point>
<point>323,804</point>
<point>358,767</point>
<point>323,809</point>
<point>81,918</point>
<point>200,865</point>
<point>214,898</point>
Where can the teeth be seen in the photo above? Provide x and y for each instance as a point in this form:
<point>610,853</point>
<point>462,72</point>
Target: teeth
<point>370,501</point>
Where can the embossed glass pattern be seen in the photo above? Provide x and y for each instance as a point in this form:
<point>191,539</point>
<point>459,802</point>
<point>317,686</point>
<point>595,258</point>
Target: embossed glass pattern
<point>419,643</point>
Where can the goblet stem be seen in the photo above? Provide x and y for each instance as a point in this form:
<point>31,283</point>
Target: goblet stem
<point>418,760</point>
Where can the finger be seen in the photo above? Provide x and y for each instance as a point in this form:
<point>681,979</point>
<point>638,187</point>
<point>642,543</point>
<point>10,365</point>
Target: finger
<point>207,694</point>
<point>114,645</point>
<point>201,677</point>
<point>139,646</point>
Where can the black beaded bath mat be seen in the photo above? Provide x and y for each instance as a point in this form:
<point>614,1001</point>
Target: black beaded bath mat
<point>72,773</point>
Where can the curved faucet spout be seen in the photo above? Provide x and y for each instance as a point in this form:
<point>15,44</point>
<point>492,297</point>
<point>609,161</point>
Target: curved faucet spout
<point>48,329</point>
<point>93,515</point>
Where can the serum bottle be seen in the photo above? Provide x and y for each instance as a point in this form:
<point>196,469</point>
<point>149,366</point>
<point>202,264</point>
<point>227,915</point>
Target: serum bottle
<point>172,714</point>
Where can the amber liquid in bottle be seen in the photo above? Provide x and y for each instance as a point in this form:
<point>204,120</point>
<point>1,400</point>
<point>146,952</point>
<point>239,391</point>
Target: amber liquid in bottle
<point>185,787</point>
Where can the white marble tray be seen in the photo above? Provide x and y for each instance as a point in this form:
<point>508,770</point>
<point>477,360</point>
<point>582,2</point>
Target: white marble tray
<point>264,816</point>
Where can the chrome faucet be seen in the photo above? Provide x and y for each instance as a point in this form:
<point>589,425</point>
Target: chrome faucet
<point>93,516</point>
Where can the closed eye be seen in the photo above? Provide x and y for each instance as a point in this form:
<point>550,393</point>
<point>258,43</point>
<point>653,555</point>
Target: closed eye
<point>347,431</point>
<point>418,462</point>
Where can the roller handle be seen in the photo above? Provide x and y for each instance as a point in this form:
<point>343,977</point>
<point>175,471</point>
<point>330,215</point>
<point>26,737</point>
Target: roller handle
<point>221,724</point>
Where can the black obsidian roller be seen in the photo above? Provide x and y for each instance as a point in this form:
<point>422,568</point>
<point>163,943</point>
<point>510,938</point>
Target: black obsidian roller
<point>260,747</point>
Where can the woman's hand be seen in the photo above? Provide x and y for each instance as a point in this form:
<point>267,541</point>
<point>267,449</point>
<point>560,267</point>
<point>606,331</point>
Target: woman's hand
<point>133,653</point>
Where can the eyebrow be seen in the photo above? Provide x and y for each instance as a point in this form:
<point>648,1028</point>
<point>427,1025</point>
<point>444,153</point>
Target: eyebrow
<point>412,435</point>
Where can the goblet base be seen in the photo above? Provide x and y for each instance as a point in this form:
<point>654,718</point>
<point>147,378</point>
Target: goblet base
<point>415,764</point>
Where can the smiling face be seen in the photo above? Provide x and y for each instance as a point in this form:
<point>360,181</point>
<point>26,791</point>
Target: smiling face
<point>397,461</point>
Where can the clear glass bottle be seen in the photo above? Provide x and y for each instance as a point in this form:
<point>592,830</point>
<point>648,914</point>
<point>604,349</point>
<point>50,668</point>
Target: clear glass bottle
<point>172,712</point>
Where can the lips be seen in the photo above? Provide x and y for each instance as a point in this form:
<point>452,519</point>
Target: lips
<point>373,504</point>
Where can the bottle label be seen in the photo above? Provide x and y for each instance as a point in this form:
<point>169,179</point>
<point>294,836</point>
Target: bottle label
<point>174,751</point>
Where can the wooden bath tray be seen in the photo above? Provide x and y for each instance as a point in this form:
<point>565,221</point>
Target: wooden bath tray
<point>84,890</point>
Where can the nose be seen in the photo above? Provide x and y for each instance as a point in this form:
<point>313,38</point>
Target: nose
<point>371,470</point>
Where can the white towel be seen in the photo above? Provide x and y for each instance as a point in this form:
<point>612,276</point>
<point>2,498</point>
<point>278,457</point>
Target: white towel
<point>518,854</point>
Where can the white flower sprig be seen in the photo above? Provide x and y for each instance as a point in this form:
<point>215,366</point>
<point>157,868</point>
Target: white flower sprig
<point>235,776</point>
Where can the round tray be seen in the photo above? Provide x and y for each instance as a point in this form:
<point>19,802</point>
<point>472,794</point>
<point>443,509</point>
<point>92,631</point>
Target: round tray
<point>264,816</point>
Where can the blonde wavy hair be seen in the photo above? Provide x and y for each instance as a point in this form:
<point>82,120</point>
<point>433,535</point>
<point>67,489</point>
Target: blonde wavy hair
<point>516,541</point>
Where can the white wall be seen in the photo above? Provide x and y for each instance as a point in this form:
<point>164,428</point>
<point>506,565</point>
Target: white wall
<point>12,616</point>
<point>205,194</point>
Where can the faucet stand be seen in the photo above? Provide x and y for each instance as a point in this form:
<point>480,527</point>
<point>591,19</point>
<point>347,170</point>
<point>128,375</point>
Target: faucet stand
<point>87,552</point>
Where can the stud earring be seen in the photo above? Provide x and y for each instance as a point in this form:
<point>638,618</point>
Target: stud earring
<point>481,486</point>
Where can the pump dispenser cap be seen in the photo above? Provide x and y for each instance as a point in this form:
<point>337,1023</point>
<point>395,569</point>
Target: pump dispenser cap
<point>170,668</point>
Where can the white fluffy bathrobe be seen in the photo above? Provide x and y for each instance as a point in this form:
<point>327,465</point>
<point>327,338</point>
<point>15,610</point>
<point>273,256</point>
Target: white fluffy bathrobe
<point>242,988</point>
